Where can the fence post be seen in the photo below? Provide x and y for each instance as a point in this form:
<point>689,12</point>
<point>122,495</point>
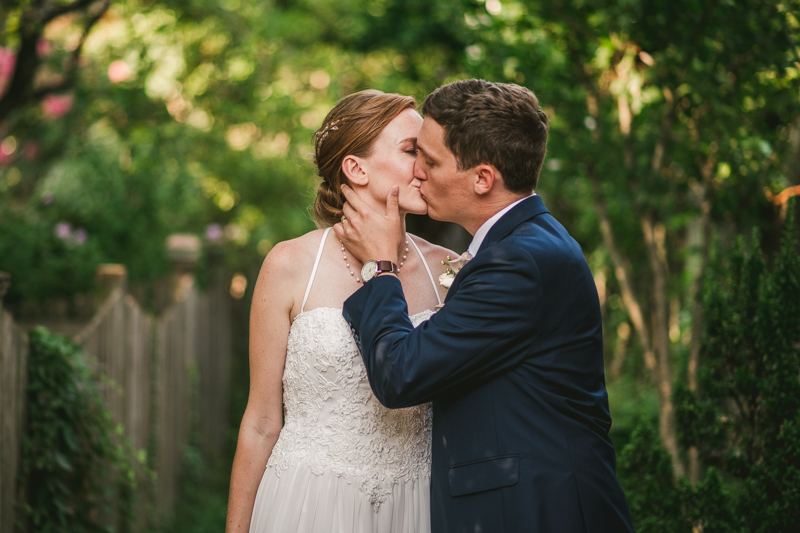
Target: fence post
<point>214,359</point>
<point>174,363</point>
<point>183,250</point>
<point>109,276</point>
<point>6,477</point>
<point>13,382</point>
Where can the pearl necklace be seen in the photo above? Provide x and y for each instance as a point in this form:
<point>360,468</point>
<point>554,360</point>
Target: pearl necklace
<point>352,273</point>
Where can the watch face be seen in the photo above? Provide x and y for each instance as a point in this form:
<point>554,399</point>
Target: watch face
<point>368,270</point>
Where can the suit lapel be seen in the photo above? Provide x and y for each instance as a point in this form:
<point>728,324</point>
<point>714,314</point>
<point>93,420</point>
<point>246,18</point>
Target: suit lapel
<point>522,212</point>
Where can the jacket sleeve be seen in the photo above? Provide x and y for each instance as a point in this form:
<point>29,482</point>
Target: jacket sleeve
<point>487,327</point>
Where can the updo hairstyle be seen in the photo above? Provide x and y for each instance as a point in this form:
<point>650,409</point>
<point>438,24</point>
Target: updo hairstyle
<point>350,128</point>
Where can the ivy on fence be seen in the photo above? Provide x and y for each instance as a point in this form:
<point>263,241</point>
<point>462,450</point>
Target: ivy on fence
<point>78,475</point>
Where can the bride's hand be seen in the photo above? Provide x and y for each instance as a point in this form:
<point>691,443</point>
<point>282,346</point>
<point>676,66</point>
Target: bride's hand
<point>367,234</point>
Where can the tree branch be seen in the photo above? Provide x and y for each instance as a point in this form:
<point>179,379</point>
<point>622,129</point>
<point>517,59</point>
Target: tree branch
<point>622,273</point>
<point>20,90</point>
<point>654,236</point>
<point>68,77</point>
<point>657,160</point>
<point>56,12</point>
<point>706,168</point>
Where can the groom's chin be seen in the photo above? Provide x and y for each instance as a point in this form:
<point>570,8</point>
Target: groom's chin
<point>432,214</point>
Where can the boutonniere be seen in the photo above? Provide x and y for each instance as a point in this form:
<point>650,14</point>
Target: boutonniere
<point>453,267</point>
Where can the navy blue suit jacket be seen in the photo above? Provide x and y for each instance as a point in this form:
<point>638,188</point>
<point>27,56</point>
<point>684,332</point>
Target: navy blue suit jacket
<point>513,364</point>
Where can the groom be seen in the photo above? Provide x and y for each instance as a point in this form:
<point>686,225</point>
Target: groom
<point>513,362</point>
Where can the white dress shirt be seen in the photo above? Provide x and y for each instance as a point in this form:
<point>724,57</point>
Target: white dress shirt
<point>477,239</point>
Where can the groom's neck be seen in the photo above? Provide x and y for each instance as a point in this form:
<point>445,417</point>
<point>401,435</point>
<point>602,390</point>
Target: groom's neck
<point>485,207</point>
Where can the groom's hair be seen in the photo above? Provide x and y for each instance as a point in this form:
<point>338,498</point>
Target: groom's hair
<point>492,123</point>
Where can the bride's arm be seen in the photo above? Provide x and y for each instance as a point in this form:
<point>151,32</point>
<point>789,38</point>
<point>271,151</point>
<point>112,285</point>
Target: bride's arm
<point>263,417</point>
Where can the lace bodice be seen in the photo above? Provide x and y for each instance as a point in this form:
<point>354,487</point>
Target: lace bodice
<point>333,422</point>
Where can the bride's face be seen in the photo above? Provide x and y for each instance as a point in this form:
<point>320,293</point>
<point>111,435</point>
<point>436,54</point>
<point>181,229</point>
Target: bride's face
<point>391,163</point>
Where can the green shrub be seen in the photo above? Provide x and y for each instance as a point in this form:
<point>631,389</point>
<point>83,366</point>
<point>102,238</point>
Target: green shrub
<point>744,419</point>
<point>750,386</point>
<point>75,473</point>
<point>42,264</point>
<point>645,472</point>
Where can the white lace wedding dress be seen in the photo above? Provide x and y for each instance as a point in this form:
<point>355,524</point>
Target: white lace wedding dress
<point>343,462</point>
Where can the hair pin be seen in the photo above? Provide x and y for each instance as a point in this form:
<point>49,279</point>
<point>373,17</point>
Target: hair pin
<point>321,134</point>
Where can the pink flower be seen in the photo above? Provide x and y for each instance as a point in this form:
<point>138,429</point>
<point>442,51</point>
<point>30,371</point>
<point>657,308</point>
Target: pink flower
<point>80,236</point>
<point>30,150</point>
<point>118,71</point>
<point>7,61</point>
<point>54,106</point>
<point>44,47</point>
<point>63,230</point>
<point>213,232</point>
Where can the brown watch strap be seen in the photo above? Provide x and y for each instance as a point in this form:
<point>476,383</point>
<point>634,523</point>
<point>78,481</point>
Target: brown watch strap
<point>385,266</point>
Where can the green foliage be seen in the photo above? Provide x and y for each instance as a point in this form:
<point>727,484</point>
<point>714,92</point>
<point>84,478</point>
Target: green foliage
<point>632,401</point>
<point>74,471</point>
<point>749,401</point>
<point>645,472</point>
<point>41,264</point>
<point>203,503</point>
<point>745,419</point>
<point>208,116</point>
<point>660,504</point>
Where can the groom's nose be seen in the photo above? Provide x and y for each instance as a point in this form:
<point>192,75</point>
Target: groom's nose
<point>418,172</point>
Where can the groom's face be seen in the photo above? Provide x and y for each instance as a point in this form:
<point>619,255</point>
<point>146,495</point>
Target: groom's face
<point>445,188</point>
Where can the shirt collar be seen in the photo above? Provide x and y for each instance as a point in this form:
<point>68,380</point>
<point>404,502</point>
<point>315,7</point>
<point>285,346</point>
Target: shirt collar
<point>477,239</point>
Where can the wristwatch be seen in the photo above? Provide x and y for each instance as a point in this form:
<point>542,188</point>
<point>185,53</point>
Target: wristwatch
<point>372,268</point>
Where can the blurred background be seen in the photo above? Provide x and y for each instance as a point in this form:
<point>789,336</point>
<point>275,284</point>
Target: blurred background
<point>153,152</point>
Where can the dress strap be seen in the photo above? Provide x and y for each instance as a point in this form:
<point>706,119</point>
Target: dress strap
<point>314,271</point>
<point>433,282</point>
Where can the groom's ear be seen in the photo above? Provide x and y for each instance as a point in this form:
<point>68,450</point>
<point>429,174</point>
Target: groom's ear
<point>353,168</point>
<point>486,178</point>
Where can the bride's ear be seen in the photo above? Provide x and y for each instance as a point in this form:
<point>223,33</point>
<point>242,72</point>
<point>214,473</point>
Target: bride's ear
<point>353,168</point>
<point>486,177</point>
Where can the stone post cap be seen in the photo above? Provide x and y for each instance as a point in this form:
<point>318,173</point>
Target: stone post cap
<point>111,274</point>
<point>111,270</point>
<point>183,248</point>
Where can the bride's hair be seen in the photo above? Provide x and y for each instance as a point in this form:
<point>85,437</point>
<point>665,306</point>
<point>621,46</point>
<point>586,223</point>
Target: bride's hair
<point>350,128</point>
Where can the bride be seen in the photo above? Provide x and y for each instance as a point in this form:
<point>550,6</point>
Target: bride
<point>341,462</point>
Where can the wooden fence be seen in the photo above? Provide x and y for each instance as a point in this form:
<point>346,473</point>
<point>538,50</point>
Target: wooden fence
<point>164,379</point>
<point>13,377</point>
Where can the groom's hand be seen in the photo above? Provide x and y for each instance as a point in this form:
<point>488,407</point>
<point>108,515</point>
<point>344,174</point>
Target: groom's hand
<point>368,234</point>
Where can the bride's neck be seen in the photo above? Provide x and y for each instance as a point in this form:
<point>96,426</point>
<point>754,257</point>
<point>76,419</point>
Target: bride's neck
<point>401,250</point>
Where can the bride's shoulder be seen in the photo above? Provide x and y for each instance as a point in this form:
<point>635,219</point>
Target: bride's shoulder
<point>433,253</point>
<point>290,258</point>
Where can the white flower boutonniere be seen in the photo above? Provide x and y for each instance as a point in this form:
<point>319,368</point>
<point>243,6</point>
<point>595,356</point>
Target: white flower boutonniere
<point>446,279</point>
<point>453,267</point>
